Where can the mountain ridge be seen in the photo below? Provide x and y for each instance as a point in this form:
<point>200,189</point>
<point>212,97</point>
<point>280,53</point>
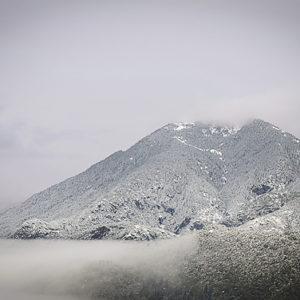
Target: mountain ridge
<point>181,177</point>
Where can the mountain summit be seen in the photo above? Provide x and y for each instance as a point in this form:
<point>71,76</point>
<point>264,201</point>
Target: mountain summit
<point>180,178</point>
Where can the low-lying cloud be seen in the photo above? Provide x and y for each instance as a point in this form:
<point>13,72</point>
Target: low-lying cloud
<point>78,269</point>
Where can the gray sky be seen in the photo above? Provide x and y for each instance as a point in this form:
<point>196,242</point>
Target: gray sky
<point>82,79</point>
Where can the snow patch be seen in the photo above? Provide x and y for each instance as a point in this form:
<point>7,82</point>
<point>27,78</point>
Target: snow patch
<point>185,143</point>
<point>214,151</point>
<point>276,128</point>
<point>213,130</point>
<point>224,131</point>
<point>181,126</point>
<point>204,131</point>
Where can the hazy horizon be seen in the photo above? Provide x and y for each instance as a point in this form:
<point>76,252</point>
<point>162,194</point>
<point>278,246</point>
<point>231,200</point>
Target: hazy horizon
<point>83,79</point>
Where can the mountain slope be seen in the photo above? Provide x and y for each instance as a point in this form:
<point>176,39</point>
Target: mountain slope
<point>181,177</point>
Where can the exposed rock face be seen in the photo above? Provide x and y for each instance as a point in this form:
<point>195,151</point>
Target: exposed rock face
<point>179,178</point>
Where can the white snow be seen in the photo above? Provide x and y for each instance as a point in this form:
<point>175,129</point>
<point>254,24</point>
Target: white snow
<point>276,128</point>
<point>225,131</point>
<point>204,131</point>
<point>185,143</point>
<point>181,126</point>
<point>213,130</point>
<point>214,151</point>
<point>228,131</point>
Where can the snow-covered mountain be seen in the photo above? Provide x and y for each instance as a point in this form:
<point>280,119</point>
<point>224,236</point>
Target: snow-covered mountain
<point>181,177</point>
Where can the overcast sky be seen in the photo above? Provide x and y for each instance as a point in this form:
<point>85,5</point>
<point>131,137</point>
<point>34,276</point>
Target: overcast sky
<point>82,79</point>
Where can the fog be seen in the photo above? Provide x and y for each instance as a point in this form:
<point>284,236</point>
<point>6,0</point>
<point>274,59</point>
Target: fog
<point>45,269</point>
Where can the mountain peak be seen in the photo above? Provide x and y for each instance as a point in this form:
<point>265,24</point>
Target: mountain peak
<point>182,177</point>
